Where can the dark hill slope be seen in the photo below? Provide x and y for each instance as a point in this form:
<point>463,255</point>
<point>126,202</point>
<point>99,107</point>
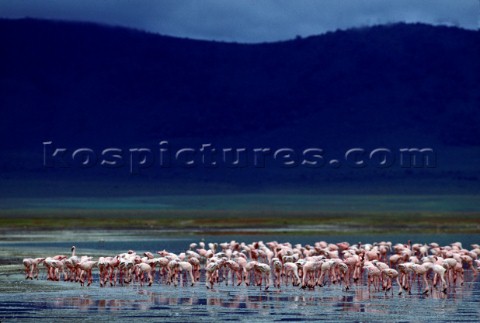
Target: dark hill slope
<point>89,84</point>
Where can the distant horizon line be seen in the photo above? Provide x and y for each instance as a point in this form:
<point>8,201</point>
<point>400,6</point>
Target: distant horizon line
<point>298,37</point>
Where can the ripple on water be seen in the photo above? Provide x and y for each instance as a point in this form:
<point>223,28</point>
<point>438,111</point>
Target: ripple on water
<point>234,303</point>
<point>20,299</point>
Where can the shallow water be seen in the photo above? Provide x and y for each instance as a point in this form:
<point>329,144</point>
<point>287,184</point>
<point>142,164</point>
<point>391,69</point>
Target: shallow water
<point>282,202</point>
<point>53,300</point>
<point>25,300</point>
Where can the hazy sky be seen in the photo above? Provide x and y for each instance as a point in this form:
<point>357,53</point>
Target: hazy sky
<point>247,20</point>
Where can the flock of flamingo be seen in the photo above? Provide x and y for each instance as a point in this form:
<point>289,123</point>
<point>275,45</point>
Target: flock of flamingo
<point>380,264</point>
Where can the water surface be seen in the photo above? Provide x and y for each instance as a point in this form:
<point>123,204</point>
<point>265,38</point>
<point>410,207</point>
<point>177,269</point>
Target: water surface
<point>51,301</point>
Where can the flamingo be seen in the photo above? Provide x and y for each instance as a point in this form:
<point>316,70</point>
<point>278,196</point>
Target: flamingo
<point>86,269</point>
<point>141,270</point>
<point>211,268</point>
<point>27,263</point>
<point>277,271</point>
<point>308,265</point>
<point>422,270</point>
<point>291,269</point>
<point>186,267</point>
<point>309,270</point>
<point>31,267</point>
<point>374,276</point>
<point>263,270</point>
<point>325,269</point>
<point>236,271</point>
<point>389,274</point>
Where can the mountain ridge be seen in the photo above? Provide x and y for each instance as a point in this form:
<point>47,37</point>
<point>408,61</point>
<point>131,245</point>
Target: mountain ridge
<point>88,85</point>
<point>110,66</point>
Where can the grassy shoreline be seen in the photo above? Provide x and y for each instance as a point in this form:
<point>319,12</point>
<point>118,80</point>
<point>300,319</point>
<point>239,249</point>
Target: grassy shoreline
<point>246,220</point>
<point>301,213</point>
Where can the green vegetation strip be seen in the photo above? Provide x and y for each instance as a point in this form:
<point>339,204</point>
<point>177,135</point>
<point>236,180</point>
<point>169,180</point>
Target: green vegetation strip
<point>217,220</point>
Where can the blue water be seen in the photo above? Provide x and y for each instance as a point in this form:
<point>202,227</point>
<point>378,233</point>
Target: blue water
<point>162,302</point>
<point>52,301</point>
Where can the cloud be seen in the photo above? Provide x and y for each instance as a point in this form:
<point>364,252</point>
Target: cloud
<point>248,20</point>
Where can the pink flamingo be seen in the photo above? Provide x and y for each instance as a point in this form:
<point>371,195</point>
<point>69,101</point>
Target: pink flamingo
<point>236,271</point>
<point>263,270</point>
<point>389,274</point>
<point>142,271</point>
<point>325,269</point>
<point>31,267</point>
<point>210,270</point>
<point>248,269</point>
<point>277,272</point>
<point>86,269</point>
<point>103,268</point>
<point>374,276</point>
<point>343,270</point>
<point>422,270</point>
<point>310,269</point>
<point>186,267</point>
<point>195,262</point>
<point>27,262</point>
<point>291,269</point>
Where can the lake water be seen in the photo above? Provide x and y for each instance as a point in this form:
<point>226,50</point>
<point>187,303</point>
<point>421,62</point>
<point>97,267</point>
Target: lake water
<point>53,301</point>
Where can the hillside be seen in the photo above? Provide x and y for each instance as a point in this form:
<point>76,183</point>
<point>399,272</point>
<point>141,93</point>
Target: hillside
<point>86,85</point>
